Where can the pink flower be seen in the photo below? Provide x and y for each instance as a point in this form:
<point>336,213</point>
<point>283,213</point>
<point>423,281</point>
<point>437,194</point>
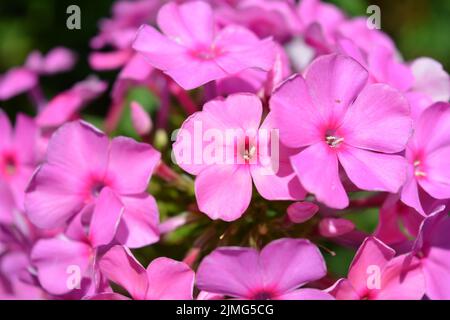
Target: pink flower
<point>428,155</point>
<point>338,119</point>
<point>226,148</point>
<point>275,273</point>
<point>164,278</point>
<point>66,104</point>
<point>376,275</point>
<point>22,79</point>
<point>191,44</point>
<point>17,157</point>
<point>84,169</point>
<point>432,248</point>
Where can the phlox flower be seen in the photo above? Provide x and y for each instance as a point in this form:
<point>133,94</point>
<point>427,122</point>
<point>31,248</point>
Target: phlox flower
<point>432,248</point>
<point>226,148</point>
<point>275,273</point>
<point>428,155</point>
<point>376,274</point>
<point>339,119</point>
<point>24,78</point>
<point>192,44</point>
<point>84,169</point>
<point>64,106</point>
<point>164,278</point>
<point>18,158</point>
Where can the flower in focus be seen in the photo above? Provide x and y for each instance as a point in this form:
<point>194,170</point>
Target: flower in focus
<point>191,44</point>
<point>85,169</point>
<point>226,152</point>
<point>338,119</point>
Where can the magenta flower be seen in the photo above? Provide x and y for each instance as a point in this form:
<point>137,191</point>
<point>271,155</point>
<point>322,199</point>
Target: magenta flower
<point>428,155</point>
<point>191,44</point>
<point>338,119</point>
<point>376,275</point>
<point>84,169</point>
<point>17,157</point>
<point>275,273</point>
<point>164,278</point>
<point>226,152</point>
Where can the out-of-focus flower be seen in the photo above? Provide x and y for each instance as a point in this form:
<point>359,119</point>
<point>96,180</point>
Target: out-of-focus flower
<point>65,106</point>
<point>18,156</point>
<point>191,44</point>
<point>22,79</point>
<point>83,168</point>
<point>342,120</point>
<point>226,152</point>
<point>275,273</point>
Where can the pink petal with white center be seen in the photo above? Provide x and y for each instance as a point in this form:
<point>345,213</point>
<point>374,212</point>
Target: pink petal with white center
<point>16,81</point>
<point>294,113</point>
<point>58,261</point>
<point>378,120</point>
<point>334,227</point>
<point>373,171</point>
<point>334,81</point>
<point>300,212</point>
<point>120,266</point>
<point>290,263</point>
<point>371,255</point>
<point>189,24</point>
<point>224,191</point>
<point>431,78</point>
<point>231,271</point>
<point>131,165</point>
<point>139,224</point>
<point>317,168</point>
<point>241,49</point>
<point>169,280</point>
<point>306,294</point>
<point>105,218</point>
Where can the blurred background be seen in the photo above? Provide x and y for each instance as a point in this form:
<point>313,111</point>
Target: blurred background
<point>419,28</point>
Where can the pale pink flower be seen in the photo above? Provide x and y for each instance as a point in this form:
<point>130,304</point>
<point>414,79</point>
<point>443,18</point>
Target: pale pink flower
<point>191,44</point>
<point>340,119</point>
<point>275,273</point>
<point>376,274</point>
<point>225,167</point>
<point>83,168</point>
<point>164,278</point>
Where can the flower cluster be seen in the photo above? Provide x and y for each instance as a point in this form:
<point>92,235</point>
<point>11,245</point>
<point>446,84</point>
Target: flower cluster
<point>316,110</point>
